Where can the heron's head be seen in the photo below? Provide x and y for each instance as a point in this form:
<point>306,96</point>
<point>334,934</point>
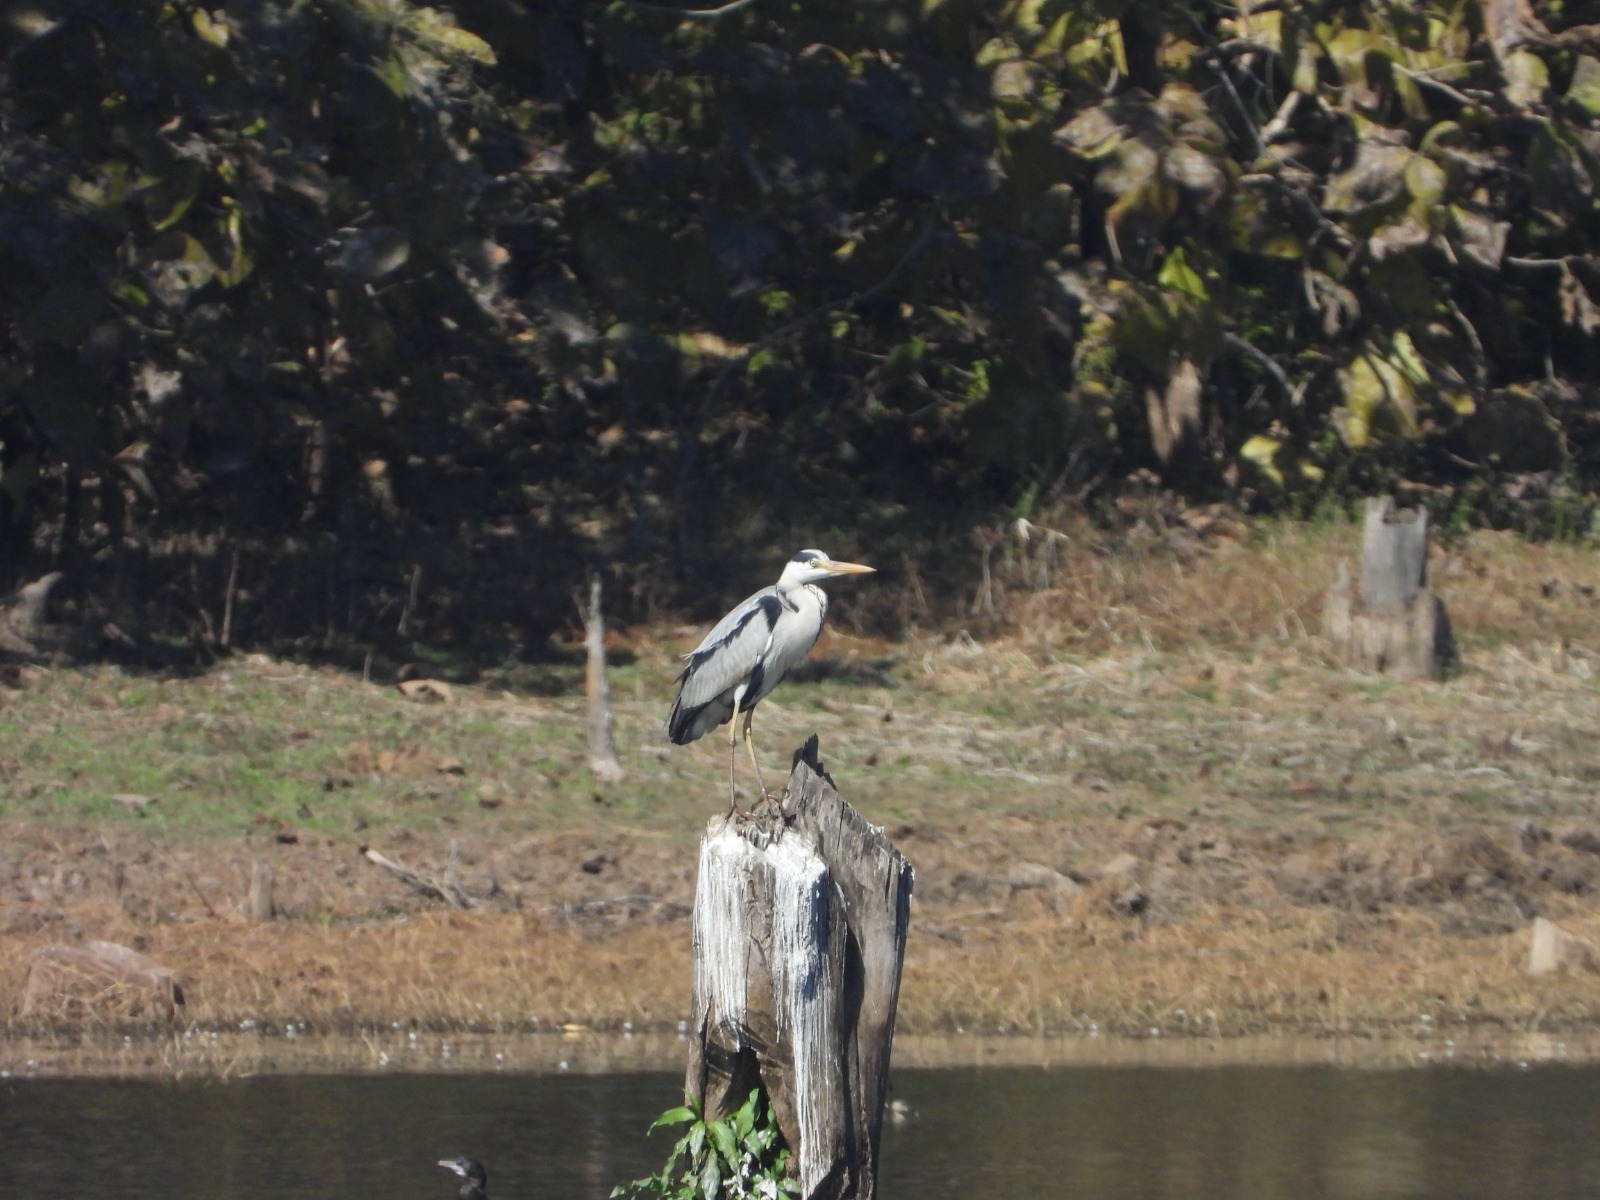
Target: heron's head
<point>813,566</point>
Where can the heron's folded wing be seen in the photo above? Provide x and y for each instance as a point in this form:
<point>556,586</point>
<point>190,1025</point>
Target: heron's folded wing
<point>734,619</point>
<point>731,649</point>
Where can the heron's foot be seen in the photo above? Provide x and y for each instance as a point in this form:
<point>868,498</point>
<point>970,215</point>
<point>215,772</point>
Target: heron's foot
<point>770,800</point>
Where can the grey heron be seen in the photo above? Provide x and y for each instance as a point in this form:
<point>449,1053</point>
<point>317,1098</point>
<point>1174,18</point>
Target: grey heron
<point>474,1179</point>
<point>748,653</point>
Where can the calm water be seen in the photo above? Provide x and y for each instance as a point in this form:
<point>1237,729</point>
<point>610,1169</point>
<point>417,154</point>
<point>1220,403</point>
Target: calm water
<point>1304,1132</point>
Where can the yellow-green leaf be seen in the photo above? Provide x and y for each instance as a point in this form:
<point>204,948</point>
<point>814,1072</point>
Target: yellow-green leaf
<point>1527,78</point>
<point>1408,360</point>
<point>1177,275</point>
<point>443,34</point>
<point>1584,90</point>
<point>1262,451</point>
<point>1284,244</point>
<point>1375,390</point>
<point>1354,428</point>
<point>1263,28</point>
<point>1425,180</point>
<point>215,32</point>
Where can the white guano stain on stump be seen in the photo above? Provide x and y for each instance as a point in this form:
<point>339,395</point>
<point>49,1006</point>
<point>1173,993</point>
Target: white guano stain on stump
<point>790,952</point>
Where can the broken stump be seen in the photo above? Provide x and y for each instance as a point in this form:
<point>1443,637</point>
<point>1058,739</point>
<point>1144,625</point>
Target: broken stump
<point>258,902</point>
<point>800,920</point>
<point>1393,624</point>
<point>603,764</point>
<point>1553,949</point>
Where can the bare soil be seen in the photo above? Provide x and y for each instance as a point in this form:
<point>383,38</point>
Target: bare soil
<point>1145,803</point>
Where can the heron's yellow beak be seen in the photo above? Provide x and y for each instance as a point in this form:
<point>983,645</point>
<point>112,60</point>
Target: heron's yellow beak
<point>844,568</point>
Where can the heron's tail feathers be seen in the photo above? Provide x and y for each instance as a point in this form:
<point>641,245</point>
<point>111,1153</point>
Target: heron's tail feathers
<point>690,722</point>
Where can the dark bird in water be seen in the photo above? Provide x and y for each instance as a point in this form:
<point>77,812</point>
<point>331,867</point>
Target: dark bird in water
<point>749,652</point>
<point>474,1179</point>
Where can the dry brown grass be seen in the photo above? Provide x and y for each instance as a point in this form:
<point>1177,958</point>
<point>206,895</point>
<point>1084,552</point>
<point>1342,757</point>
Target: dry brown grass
<point>1232,971</point>
<point>471,971</point>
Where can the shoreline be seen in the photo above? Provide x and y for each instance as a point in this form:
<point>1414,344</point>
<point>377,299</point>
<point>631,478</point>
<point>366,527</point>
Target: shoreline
<point>225,1057</point>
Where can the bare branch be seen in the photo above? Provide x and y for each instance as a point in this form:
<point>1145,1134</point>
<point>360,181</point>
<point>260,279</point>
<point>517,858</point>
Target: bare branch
<point>1274,129</point>
<point>445,890</point>
<point>1479,357</point>
<point>1541,264</point>
<point>1266,361</point>
<point>696,14</point>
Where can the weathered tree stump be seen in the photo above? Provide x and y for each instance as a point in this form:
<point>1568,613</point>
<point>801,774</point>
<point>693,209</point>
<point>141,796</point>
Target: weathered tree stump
<point>1552,949</point>
<point>603,762</point>
<point>800,921</point>
<point>258,903</point>
<point>1395,624</point>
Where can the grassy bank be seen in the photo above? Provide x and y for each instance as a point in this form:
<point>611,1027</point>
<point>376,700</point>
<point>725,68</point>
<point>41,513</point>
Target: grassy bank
<point>1138,798</point>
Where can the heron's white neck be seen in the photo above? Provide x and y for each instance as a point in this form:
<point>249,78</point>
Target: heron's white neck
<point>798,574</point>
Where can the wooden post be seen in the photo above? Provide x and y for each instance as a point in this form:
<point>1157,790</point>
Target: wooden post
<point>258,905</point>
<point>603,762</point>
<point>1396,624</point>
<point>800,921</point>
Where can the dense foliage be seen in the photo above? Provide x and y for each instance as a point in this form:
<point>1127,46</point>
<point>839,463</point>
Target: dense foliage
<point>402,318</point>
<point>737,1157</point>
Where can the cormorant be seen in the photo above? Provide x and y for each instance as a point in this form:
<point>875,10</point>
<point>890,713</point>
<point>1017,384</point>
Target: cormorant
<point>474,1179</point>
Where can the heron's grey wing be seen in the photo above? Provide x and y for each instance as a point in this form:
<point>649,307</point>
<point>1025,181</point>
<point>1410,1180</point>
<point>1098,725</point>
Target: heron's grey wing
<point>733,620</point>
<point>724,660</point>
<point>793,635</point>
<point>731,650</point>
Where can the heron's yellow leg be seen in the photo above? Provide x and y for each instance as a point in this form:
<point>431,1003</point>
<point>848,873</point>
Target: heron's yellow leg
<point>733,748</point>
<point>750,745</point>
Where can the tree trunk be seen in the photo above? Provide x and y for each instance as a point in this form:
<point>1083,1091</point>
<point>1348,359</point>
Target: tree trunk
<point>800,921</point>
<point>1395,624</point>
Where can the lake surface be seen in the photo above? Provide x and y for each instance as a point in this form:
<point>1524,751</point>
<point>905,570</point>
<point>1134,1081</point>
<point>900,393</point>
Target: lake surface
<point>1507,1133</point>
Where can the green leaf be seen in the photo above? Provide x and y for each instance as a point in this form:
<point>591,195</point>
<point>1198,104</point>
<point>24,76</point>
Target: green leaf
<point>710,1178</point>
<point>722,1138</point>
<point>673,1116</point>
<point>166,202</point>
<point>1584,90</point>
<point>743,1121</point>
<point>1177,275</point>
